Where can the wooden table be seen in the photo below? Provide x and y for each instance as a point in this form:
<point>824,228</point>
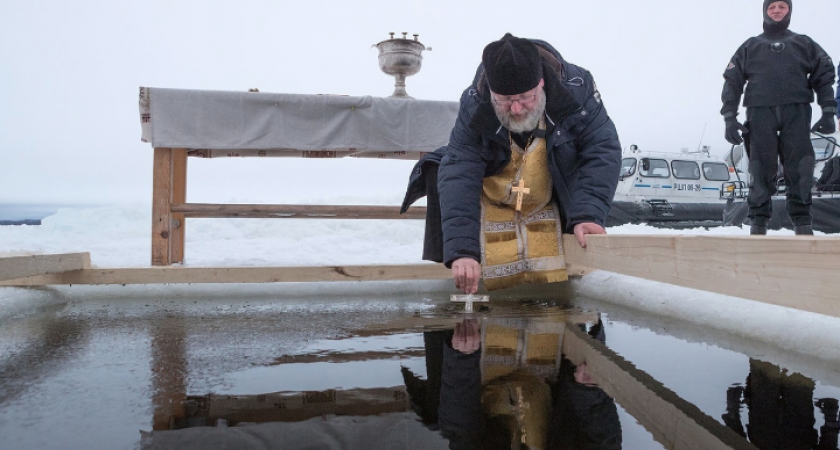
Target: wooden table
<point>211,124</point>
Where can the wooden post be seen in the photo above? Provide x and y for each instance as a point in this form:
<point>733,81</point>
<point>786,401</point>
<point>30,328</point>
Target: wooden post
<point>169,371</point>
<point>161,201</point>
<point>179,195</point>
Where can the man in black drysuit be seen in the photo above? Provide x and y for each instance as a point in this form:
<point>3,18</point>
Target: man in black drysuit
<point>782,71</point>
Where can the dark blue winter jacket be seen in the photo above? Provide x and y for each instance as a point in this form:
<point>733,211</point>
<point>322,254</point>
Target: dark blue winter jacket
<point>584,154</point>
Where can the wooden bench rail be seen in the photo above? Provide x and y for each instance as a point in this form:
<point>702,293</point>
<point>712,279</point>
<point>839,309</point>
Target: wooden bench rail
<point>673,422</point>
<point>209,210</point>
<point>798,272</point>
<point>180,275</point>
<point>20,266</point>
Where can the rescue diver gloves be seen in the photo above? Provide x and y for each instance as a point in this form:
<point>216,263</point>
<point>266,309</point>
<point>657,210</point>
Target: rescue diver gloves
<point>825,125</point>
<point>734,130</point>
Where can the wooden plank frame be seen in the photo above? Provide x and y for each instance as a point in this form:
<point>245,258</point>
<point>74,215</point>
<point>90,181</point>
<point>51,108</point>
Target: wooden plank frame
<point>792,271</point>
<point>181,275</point>
<point>798,272</point>
<point>674,422</point>
<point>22,266</point>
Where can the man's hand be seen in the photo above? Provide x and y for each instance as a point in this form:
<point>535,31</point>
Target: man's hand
<point>466,272</point>
<point>734,130</point>
<point>466,338</point>
<point>584,228</point>
<point>825,125</point>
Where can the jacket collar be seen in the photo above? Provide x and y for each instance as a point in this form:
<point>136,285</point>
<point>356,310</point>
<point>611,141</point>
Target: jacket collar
<point>559,104</point>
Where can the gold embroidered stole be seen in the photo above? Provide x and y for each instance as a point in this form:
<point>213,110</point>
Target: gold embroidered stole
<point>521,402</point>
<point>521,246</point>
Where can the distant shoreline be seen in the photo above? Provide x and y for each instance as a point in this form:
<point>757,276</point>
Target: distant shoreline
<point>28,213</point>
<point>34,213</point>
<point>21,222</point>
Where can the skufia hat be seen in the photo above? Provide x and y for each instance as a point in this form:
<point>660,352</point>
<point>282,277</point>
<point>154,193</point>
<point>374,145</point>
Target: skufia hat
<point>512,65</point>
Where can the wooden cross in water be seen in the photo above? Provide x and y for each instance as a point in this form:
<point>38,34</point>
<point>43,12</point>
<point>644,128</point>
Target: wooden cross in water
<point>468,300</point>
<point>520,190</point>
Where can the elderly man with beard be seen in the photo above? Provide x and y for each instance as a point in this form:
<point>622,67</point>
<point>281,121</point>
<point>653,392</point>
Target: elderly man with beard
<point>782,71</point>
<point>533,154</point>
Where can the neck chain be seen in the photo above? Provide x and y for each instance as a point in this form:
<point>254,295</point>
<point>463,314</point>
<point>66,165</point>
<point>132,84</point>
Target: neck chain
<point>519,182</point>
<point>513,145</point>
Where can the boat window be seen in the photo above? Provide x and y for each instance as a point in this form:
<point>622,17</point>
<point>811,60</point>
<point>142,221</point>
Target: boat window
<point>823,147</point>
<point>655,168</point>
<point>686,170</point>
<point>628,167</point>
<point>716,171</point>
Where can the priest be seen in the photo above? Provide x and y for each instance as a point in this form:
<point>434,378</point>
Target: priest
<point>533,154</point>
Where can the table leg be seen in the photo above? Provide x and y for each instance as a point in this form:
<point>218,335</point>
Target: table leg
<point>161,203</point>
<point>179,195</point>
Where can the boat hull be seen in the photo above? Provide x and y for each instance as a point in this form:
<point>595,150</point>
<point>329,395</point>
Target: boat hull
<point>668,215</point>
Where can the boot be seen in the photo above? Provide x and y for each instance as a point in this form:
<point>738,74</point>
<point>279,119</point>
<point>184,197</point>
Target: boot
<point>803,230</point>
<point>758,229</point>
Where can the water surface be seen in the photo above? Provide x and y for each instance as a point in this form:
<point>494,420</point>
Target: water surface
<point>394,370</point>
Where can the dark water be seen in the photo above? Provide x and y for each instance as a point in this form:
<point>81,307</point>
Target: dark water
<point>396,370</point>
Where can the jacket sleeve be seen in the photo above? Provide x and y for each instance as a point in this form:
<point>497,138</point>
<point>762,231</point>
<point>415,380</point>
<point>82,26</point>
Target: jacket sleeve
<point>460,179</point>
<point>734,78</point>
<point>460,415</point>
<point>822,77</point>
<point>837,98</point>
<point>599,164</point>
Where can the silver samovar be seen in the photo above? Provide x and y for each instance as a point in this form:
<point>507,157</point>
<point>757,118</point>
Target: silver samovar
<point>400,58</point>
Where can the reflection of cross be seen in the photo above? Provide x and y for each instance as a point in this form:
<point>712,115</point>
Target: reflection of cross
<point>468,300</point>
<point>520,190</point>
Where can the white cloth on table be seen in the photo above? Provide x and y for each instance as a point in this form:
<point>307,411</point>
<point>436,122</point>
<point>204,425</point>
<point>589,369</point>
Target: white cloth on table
<point>227,120</point>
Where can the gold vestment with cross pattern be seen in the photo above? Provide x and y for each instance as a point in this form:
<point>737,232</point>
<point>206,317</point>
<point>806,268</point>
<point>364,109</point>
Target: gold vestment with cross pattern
<point>521,246</point>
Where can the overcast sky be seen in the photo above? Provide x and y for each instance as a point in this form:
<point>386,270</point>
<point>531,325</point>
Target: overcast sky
<point>70,73</point>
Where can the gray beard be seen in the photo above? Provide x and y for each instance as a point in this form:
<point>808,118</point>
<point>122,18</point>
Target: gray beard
<point>522,124</point>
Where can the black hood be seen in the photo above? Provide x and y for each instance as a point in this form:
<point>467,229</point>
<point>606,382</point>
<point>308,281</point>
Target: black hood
<point>770,25</point>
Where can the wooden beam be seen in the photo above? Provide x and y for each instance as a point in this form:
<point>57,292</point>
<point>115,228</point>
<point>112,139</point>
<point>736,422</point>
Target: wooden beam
<point>169,349</point>
<point>673,422</point>
<point>161,213</point>
<point>794,271</point>
<point>179,195</point>
<point>19,266</point>
<point>179,274</point>
<point>207,210</point>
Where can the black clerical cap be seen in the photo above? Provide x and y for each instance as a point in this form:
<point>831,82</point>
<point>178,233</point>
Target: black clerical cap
<point>512,65</point>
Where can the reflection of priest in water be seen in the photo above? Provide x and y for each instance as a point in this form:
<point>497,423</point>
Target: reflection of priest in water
<point>518,410</point>
<point>781,410</point>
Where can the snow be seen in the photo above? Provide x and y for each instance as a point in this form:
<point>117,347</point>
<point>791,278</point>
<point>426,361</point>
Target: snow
<point>118,236</point>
